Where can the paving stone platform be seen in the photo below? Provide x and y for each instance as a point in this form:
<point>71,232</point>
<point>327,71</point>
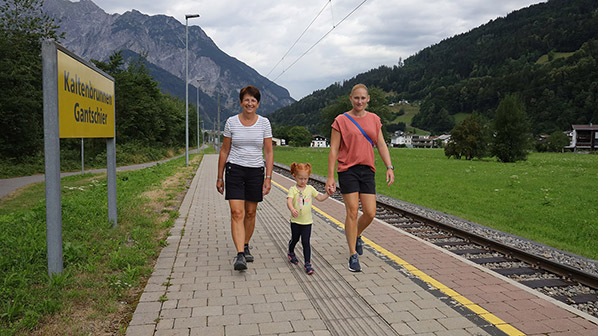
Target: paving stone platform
<point>407,287</point>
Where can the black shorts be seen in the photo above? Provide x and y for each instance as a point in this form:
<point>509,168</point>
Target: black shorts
<point>359,179</point>
<point>243,183</point>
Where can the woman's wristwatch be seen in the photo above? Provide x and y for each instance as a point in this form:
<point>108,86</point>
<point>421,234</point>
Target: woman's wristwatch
<point>390,167</point>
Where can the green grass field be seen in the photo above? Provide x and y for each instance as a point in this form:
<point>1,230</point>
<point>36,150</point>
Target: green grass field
<point>550,198</point>
<point>104,267</point>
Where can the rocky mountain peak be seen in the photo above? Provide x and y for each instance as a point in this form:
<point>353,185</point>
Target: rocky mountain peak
<point>93,34</point>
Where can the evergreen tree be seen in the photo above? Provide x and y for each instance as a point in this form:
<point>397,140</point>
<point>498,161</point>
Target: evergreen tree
<point>511,139</point>
<point>22,26</point>
<point>469,138</point>
<point>299,136</point>
<point>143,113</point>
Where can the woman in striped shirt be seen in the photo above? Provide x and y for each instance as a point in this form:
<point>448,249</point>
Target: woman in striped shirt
<point>247,140</point>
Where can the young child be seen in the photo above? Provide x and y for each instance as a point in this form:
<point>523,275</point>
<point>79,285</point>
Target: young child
<point>299,201</point>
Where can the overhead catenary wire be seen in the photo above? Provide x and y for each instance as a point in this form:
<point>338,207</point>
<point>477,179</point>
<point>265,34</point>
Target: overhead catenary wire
<point>317,42</point>
<point>300,36</point>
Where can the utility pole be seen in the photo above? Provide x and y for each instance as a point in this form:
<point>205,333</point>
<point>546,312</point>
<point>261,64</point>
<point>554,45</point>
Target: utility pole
<point>218,129</point>
<point>187,17</point>
<point>198,117</point>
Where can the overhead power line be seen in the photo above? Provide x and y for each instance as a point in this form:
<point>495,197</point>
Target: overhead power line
<point>300,36</point>
<point>316,43</point>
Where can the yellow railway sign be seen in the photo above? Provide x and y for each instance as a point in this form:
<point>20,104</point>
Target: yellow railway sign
<point>85,100</point>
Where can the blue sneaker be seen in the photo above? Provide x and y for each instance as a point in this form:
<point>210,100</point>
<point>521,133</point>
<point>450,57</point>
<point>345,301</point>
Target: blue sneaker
<point>248,256</point>
<point>240,263</point>
<point>359,246</point>
<point>354,263</point>
<point>308,269</point>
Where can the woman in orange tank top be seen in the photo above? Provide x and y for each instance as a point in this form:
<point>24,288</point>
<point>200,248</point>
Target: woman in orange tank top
<point>352,140</point>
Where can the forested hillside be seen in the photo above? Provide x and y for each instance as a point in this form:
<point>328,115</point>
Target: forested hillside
<point>547,53</point>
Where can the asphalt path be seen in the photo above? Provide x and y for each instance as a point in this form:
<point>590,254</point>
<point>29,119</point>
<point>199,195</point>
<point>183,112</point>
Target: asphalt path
<point>9,185</point>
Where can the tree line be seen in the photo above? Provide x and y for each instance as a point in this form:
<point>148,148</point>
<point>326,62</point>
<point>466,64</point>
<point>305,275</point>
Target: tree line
<point>145,117</point>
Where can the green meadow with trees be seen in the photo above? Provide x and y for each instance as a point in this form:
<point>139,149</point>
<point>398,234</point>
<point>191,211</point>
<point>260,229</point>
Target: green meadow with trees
<point>494,89</point>
<point>545,198</point>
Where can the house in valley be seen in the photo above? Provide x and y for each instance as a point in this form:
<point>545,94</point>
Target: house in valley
<point>584,138</point>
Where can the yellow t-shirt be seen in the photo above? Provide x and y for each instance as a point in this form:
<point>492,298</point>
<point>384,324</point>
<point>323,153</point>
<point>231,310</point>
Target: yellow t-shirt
<point>302,201</point>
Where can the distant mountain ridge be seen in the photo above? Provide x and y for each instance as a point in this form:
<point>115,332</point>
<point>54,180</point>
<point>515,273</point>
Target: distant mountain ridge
<point>93,34</point>
<point>472,71</point>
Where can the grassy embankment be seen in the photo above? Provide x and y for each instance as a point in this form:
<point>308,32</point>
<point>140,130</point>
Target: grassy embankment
<point>104,268</point>
<point>70,157</point>
<point>410,111</point>
<point>549,198</point>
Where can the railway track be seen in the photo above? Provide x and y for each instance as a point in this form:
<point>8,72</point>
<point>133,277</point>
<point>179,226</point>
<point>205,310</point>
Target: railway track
<point>568,278</point>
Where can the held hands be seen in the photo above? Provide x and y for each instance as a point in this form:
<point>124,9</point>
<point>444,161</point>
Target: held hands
<point>330,186</point>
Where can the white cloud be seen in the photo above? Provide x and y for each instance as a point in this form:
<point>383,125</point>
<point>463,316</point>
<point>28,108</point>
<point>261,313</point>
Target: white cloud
<point>378,33</point>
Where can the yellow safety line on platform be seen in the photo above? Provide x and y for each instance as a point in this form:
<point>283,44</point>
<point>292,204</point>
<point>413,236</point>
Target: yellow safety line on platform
<point>481,312</point>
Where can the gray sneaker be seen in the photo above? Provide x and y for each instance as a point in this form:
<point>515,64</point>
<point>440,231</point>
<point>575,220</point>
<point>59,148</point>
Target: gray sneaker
<point>240,263</point>
<point>354,263</point>
<point>359,246</point>
<point>248,256</point>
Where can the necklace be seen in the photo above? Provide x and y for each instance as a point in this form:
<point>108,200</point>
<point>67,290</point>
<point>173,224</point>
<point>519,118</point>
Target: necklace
<point>247,121</point>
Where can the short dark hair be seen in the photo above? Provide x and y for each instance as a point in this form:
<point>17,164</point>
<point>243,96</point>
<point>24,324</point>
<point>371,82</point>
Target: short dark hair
<point>250,90</point>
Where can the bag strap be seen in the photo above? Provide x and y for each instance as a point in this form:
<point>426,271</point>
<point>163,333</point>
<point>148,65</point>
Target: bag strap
<point>361,129</point>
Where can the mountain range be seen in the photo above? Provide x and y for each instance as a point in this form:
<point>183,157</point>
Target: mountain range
<point>92,33</point>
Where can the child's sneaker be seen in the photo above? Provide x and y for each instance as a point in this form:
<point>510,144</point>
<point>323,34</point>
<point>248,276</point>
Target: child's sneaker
<point>308,269</point>
<point>292,258</point>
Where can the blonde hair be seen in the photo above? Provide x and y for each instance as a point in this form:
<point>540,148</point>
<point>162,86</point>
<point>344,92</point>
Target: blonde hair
<point>359,86</point>
<point>300,166</point>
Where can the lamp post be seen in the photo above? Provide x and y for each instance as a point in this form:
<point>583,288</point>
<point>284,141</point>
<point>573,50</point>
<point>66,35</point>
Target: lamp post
<point>187,17</point>
<point>202,135</point>
<point>198,118</point>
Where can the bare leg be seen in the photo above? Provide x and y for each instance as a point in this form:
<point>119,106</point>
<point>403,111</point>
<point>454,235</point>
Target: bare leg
<point>368,207</point>
<point>352,207</point>
<point>237,213</point>
<point>249,220</point>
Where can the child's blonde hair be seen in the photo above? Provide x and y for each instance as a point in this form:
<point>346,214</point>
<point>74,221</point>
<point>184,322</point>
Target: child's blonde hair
<point>300,166</point>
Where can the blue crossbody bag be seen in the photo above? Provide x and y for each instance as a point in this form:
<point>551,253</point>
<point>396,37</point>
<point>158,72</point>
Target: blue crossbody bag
<point>361,129</point>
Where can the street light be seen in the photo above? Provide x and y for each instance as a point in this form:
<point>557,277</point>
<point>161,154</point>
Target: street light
<point>187,17</point>
<point>198,117</point>
<point>202,134</point>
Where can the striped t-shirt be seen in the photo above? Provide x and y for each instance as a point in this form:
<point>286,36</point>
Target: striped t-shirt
<point>247,142</point>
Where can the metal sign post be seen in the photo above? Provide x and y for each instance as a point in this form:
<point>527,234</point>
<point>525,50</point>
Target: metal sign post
<point>78,103</point>
<point>52,158</point>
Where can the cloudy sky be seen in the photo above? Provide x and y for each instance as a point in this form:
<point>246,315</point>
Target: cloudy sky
<point>306,45</point>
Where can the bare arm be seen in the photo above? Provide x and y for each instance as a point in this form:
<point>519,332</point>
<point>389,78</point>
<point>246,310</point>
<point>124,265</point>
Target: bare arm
<point>335,141</point>
<point>322,197</point>
<point>269,155</point>
<point>294,212</point>
<point>224,151</point>
<point>385,155</point>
